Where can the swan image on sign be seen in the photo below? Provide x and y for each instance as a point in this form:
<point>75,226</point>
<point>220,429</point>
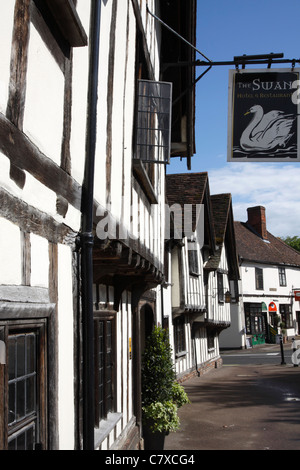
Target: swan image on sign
<point>266,131</point>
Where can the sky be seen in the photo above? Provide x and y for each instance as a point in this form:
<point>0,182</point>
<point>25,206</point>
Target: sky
<point>228,28</point>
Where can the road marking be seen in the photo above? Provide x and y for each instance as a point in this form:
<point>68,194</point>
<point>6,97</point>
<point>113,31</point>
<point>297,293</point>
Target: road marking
<point>250,354</point>
<point>246,375</point>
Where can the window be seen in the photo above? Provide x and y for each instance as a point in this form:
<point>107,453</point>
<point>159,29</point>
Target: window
<point>255,320</point>
<point>286,315</point>
<point>104,346</point>
<point>259,280</point>
<point>23,414</point>
<point>211,333</point>
<point>179,335</point>
<point>193,258</point>
<point>153,130</point>
<point>220,288</point>
<point>282,277</point>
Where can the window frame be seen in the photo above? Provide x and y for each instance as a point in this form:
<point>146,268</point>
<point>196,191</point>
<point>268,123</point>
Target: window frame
<point>193,258</point>
<point>259,279</point>
<point>210,335</point>
<point>104,316</point>
<point>254,319</point>
<point>11,328</point>
<point>220,286</point>
<point>179,336</point>
<point>286,313</point>
<point>282,277</point>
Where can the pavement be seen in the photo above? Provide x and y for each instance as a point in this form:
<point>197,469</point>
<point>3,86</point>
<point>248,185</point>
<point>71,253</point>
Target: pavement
<point>253,407</point>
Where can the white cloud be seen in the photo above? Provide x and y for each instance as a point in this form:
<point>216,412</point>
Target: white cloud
<point>272,185</point>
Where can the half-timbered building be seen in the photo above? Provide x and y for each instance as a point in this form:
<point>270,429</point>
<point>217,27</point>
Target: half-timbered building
<point>90,113</point>
<point>204,272</point>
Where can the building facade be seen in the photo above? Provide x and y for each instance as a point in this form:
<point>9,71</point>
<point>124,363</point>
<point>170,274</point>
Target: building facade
<point>270,275</point>
<point>204,273</point>
<point>89,116</point>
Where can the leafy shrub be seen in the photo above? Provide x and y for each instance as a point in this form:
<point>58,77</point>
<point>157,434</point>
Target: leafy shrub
<point>161,395</point>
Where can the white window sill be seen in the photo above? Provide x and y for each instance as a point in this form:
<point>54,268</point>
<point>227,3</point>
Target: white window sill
<point>180,354</point>
<point>105,427</point>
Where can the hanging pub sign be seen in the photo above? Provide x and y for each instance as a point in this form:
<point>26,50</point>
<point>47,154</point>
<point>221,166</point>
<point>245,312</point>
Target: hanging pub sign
<point>264,121</point>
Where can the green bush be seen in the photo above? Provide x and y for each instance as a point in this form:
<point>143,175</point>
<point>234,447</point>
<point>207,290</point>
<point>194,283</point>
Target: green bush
<point>179,395</point>
<point>161,417</point>
<point>161,395</point>
<point>158,374</point>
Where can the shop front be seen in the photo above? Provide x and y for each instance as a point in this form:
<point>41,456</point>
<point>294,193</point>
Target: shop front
<point>255,319</point>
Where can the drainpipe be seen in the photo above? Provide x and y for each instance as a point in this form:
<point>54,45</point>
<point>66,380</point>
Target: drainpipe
<point>86,236</point>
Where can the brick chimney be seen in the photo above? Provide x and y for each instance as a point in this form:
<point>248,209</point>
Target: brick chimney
<point>257,220</point>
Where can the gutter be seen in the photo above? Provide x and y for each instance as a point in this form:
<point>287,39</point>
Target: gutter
<point>86,235</point>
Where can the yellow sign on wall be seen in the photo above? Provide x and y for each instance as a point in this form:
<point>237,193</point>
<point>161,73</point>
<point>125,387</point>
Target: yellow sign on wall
<point>130,348</point>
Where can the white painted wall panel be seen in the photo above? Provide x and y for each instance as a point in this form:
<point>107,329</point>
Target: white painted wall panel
<point>43,118</point>
<point>100,161</point>
<point>65,350</point>
<point>10,253</point>
<point>79,98</point>
<point>39,261</point>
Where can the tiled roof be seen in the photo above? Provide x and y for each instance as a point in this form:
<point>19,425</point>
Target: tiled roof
<point>252,247</point>
<point>221,206</point>
<point>224,233</point>
<point>186,188</point>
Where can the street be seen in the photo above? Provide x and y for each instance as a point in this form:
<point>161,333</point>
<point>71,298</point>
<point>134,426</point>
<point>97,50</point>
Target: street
<point>265,354</point>
<point>251,403</point>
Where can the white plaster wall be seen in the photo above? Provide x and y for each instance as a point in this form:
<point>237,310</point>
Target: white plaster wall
<point>118,108</point>
<point>43,117</point>
<point>271,280</point>
<point>218,311</point>
<point>175,280</point>
<point>293,277</point>
<point>6,26</point>
<point>124,202</point>
<point>100,160</point>
<point>39,261</point>
<point>79,98</point>
<point>65,350</point>
<point>150,29</point>
<point>234,336</point>
<point>272,291</point>
<point>10,253</point>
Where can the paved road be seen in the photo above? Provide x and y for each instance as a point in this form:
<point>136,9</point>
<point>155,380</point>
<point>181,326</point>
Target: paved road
<point>268,354</point>
<point>254,406</point>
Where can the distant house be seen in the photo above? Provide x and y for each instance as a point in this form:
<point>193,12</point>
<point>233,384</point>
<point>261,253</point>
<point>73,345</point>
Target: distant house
<point>203,274</point>
<point>91,111</point>
<point>270,275</point>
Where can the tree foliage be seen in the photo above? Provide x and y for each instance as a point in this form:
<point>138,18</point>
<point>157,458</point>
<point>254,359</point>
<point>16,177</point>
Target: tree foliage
<point>294,242</point>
